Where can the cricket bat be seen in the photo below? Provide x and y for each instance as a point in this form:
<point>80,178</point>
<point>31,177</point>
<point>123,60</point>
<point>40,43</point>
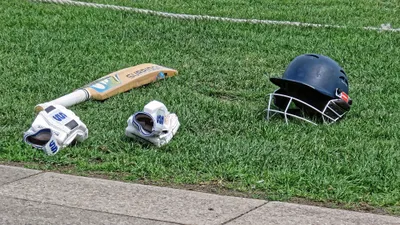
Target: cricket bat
<point>114,83</point>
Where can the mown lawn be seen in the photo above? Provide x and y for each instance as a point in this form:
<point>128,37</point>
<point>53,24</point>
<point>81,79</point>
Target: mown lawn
<point>48,50</point>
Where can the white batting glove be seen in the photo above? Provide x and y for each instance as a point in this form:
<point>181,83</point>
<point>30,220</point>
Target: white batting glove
<point>54,128</point>
<point>154,124</point>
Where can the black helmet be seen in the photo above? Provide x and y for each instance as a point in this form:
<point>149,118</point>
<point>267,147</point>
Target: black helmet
<point>316,84</point>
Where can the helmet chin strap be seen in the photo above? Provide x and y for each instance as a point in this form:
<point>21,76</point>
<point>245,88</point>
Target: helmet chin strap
<point>281,104</point>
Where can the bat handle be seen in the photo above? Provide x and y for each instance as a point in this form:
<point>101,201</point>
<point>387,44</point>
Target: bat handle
<point>70,99</point>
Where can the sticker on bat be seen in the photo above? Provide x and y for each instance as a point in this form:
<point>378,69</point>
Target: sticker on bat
<point>144,71</point>
<point>160,76</point>
<point>106,83</point>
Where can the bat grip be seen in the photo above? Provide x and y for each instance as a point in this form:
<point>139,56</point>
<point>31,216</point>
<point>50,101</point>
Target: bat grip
<point>70,99</point>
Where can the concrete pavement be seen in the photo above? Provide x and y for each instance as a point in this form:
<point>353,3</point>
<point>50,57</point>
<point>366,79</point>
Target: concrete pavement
<point>38,197</point>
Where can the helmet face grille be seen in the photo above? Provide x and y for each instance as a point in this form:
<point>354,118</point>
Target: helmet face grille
<point>291,107</point>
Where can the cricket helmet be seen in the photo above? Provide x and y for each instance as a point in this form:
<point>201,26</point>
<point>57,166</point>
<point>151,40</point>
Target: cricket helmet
<point>313,88</point>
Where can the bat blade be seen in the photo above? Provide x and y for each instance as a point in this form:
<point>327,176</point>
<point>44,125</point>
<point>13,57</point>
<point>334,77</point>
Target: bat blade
<point>127,79</point>
<point>114,83</point>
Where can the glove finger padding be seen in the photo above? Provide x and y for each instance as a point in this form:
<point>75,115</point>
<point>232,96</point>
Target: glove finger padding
<point>54,128</point>
<point>154,124</point>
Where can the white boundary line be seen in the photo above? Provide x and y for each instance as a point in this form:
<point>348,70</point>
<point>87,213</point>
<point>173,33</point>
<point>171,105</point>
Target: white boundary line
<point>383,27</point>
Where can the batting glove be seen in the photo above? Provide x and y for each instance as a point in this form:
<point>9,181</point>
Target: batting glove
<point>54,128</point>
<point>154,124</point>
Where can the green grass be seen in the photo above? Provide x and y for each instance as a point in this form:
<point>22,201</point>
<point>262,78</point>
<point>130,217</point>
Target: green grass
<point>48,50</point>
<point>342,12</point>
